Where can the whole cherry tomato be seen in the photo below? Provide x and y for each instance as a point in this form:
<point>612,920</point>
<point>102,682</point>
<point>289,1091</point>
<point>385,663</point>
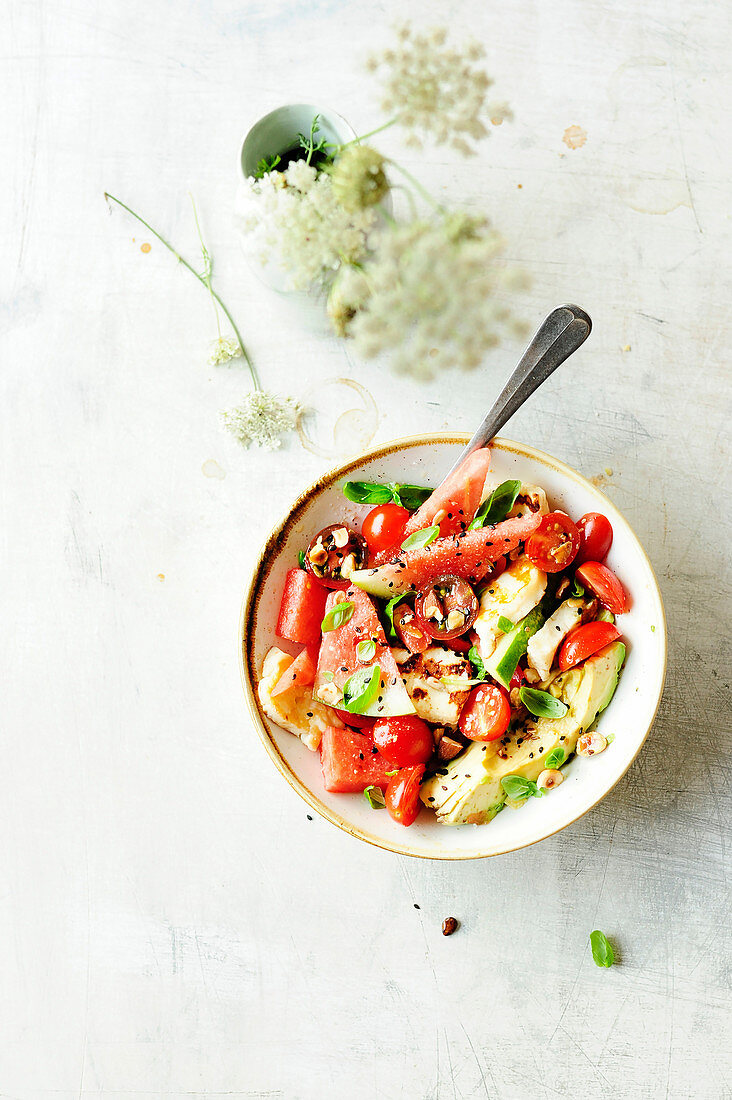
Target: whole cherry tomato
<point>335,547</point>
<point>585,640</point>
<point>596,534</point>
<point>554,543</point>
<point>605,585</point>
<point>402,795</point>
<point>404,741</point>
<point>486,714</point>
<point>384,526</point>
<point>409,629</point>
<point>446,607</point>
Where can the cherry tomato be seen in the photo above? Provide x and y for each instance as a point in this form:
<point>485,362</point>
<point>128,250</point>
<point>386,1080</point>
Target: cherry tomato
<point>554,543</point>
<point>356,721</point>
<point>517,678</point>
<point>402,795</point>
<point>605,585</point>
<point>596,533</point>
<point>334,549</point>
<point>384,526</point>
<point>583,641</point>
<point>446,607</point>
<point>404,741</point>
<point>460,645</point>
<point>499,567</point>
<point>486,714</point>
<point>409,629</point>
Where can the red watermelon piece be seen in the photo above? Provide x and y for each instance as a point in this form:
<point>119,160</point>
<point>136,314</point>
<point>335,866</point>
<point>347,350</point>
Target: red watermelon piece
<point>301,673</point>
<point>351,762</point>
<point>301,609</point>
<point>338,659</point>
<point>470,555</point>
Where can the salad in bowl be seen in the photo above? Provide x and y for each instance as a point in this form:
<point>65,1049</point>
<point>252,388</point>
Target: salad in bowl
<point>447,652</point>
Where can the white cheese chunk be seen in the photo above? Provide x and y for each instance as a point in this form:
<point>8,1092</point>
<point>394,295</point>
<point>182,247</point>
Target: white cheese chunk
<point>295,709</point>
<point>433,700</point>
<point>544,644</point>
<point>512,595</point>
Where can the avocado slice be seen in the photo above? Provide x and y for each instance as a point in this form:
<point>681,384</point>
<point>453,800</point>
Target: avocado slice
<point>502,662</point>
<point>469,791</point>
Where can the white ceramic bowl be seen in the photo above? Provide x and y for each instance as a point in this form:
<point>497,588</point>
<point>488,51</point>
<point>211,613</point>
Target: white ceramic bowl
<point>423,460</point>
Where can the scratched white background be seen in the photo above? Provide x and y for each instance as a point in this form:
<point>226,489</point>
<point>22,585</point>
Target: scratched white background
<point>171,924</point>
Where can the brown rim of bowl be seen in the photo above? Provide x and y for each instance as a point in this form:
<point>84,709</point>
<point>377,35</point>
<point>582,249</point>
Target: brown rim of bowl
<point>248,619</point>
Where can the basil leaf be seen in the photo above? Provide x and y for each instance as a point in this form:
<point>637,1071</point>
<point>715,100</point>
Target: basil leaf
<point>605,616</point>
<point>367,492</point>
<point>389,616</point>
<point>366,650</point>
<point>576,590</point>
<point>301,558</point>
<point>505,624</point>
<point>375,797</point>
<point>517,787</point>
<point>410,496</point>
<point>339,614</point>
<point>360,689</point>
<point>541,703</point>
<point>421,538</point>
<point>498,505</point>
<point>477,662</point>
<point>602,951</point>
<point>555,758</point>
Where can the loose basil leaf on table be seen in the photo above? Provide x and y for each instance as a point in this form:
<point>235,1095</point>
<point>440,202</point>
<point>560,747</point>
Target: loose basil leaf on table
<point>556,757</point>
<point>339,614</point>
<point>498,505</point>
<point>421,538</point>
<point>375,797</point>
<point>518,787</point>
<point>360,689</point>
<point>602,951</point>
<point>366,650</point>
<point>542,704</point>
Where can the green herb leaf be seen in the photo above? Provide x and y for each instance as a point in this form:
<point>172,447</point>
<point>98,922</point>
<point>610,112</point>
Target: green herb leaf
<point>602,951</point>
<point>421,538</point>
<point>360,689</point>
<point>505,624</point>
<point>517,787</point>
<point>556,757</point>
<point>395,772</point>
<point>477,662</point>
<point>459,681</point>
<point>576,589</point>
<point>605,616</point>
<point>410,496</point>
<point>498,505</point>
<point>366,650</point>
<point>339,614</point>
<point>375,797</point>
<point>301,558</point>
<point>541,703</point>
<point>367,492</point>
<point>265,165</point>
<point>389,616</point>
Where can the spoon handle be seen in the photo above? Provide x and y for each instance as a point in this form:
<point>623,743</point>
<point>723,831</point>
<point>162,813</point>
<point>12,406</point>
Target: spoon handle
<point>561,333</point>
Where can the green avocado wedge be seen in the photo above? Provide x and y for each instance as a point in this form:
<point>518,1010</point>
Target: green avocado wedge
<point>502,662</point>
<point>468,790</point>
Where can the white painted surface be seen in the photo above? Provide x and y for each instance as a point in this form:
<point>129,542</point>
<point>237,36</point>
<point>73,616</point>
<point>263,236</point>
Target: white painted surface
<point>171,924</point>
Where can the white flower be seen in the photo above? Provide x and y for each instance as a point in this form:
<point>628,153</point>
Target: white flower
<point>294,219</point>
<point>437,91</point>
<point>358,177</point>
<point>432,295</point>
<point>223,350</point>
<point>261,419</point>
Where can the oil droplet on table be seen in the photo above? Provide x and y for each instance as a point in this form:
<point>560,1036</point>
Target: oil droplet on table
<point>161,576</point>
<point>211,468</point>
<point>145,247</point>
<point>574,137</point>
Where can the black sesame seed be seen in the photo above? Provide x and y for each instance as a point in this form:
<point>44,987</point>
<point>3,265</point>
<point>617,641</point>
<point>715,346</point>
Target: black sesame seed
<point>361,756</point>
<point>310,714</point>
<point>309,817</point>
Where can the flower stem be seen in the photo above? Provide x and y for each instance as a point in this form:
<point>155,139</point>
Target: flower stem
<point>230,319</point>
<point>363,137</point>
<point>416,185</point>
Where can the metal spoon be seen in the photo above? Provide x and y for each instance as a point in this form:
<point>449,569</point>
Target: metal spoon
<point>561,333</point>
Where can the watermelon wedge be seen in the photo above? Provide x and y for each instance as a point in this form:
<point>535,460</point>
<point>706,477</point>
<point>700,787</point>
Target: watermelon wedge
<point>301,673</point>
<point>469,555</point>
<point>338,659</point>
<point>350,761</point>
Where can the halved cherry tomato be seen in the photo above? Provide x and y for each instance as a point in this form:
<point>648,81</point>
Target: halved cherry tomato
<point>404,741</point>
<point>356,721</point>
<point>409,629</point>
<point>486,714</point>
<point>606,586</point>
<point>329,551</point>
<point>460,645</point>
<point>596,533</point>
<point>517,677</point>
<point>446,607</point>
<point>402,795</point>
<point>384,526</point>
<point>583,641</point>
<point>554,543</point>
<point>499,567</point>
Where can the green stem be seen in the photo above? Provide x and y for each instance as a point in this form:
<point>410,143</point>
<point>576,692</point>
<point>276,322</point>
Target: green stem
<point>363,137</point>
<point>230,319</point>
<point>207,263</point>
<point>416,185</point>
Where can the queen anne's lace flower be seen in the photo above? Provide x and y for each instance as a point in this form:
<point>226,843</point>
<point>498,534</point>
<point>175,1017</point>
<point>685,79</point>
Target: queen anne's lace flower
<point>223,350</point>
<point>358,177</point>
<point>432,295</point>
<point>437,91</point>
<point>294,219</point>
<point>262,418</point>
